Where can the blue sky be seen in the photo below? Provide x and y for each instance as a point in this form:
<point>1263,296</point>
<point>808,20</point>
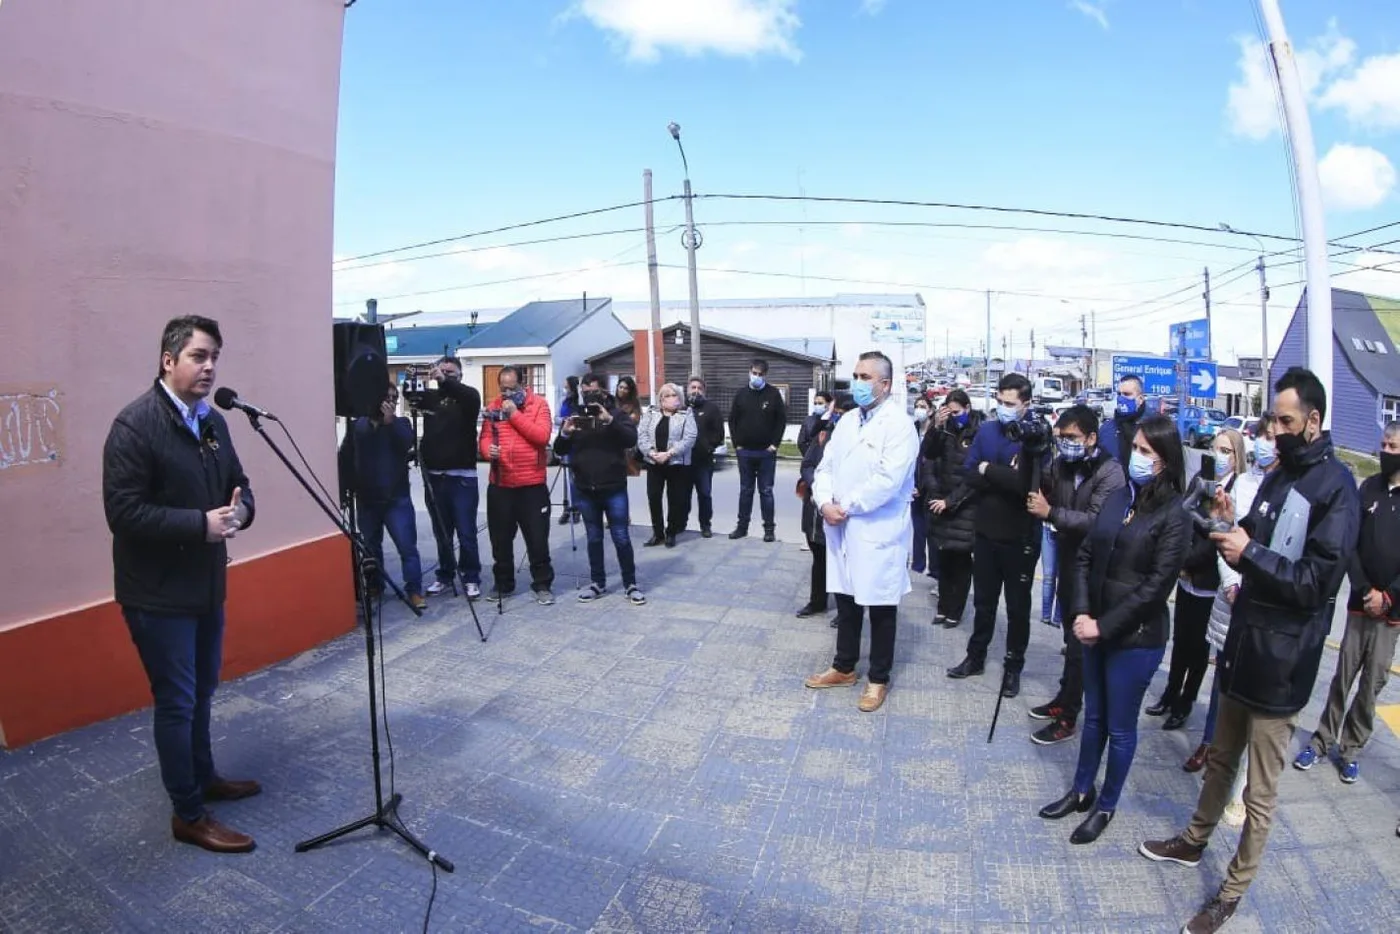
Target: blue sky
<point>459,116</point>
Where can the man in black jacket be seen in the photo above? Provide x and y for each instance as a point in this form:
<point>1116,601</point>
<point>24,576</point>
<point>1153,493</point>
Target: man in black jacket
<point>596,442</point>
<point>1293,551</point>
<point>756,422</point>
<point>374,466</point>
<point>1080,480</point>
<point>709,424</point>
<point>449,458</point>
<point>174,493</point>
<point>1373,621</point>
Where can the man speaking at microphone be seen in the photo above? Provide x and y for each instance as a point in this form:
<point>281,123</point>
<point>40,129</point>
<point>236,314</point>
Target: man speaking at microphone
<point>174,493</point>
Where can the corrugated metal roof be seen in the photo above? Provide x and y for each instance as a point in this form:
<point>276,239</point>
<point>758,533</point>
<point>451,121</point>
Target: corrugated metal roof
<point>538,324</point>
<point>1368,330</point>
<point>429,340</point>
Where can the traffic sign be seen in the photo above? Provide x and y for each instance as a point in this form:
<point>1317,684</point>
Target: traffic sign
<point>1196,337</point>
<point>1158,374</point>
<point>1202,377</point>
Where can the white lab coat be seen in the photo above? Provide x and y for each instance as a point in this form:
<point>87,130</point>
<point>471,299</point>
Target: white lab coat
<point>868,469</point>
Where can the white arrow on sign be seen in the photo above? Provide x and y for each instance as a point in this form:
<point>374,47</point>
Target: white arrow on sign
<point>1202,380</point>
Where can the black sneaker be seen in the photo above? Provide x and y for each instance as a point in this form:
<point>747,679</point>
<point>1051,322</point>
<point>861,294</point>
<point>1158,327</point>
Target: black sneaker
<point>1053,733</point>
<point>768,536</point>
<point>1050,711</point>
<point>1176,850</point>
<point>706,532</point>
<point>1010,684</point>
<point>497,595</point>
<point>967,668</point>
<point>740,532</point>
<point>1212,917</point>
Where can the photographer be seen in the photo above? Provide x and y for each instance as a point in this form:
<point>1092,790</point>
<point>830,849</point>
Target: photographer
<point>514,438</point>
<point>1080,480</point>
<point>1000,466</point>
<point>448,457</point>
<point>709,427</point>
<point>596,440</point>
<point>1292,552</point>
<point>374,466</point>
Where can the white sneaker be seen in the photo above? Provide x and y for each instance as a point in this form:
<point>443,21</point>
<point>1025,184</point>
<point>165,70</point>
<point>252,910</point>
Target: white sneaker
<point>435,588</point>
<point>473,591</point>
<point>1234,814</point>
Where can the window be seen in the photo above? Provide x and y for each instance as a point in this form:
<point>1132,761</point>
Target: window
<point>1390,409</point>
<point>1381,348</point>
<point>1370,345</point>
<point>1356,342</point>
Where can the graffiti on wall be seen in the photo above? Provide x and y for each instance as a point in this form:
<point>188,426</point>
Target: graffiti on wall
<point>30,428</point>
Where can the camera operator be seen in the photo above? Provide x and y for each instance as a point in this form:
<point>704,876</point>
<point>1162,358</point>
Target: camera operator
<point>448,457</point>
<point>374,466</point>
<point>709,425</point>
<point>1292,551</point>
<point>514,438</point>
<point>1080,480</point>
<point>596,439</point>
<point>1000,465</point>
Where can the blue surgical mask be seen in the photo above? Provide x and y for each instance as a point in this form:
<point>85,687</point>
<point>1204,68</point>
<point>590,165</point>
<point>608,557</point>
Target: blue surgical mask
<point>1006,414</point>
<point>1223,467</point>
<point>755,382</point>
<point>834,418</point>
<point>1071,451</point>
<point>961,419</point>
<point>1265,452</point>
<point>819,408</point>
<point>1141,468</point>
<point>863,391</point>
<point>1129,407</point>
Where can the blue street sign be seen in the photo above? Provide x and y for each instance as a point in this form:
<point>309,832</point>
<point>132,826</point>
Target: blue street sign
<point>1202,377</point>
<point>1196,335</point>
<point>1158,374</point>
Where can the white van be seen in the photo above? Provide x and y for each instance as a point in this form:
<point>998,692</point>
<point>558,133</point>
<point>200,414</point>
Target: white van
<point>1049,389</point>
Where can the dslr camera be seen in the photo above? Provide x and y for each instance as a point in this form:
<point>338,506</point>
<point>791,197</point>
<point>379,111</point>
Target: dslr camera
<point>419,389</point>
<point>1032,432</point>
<point>1200,498</point>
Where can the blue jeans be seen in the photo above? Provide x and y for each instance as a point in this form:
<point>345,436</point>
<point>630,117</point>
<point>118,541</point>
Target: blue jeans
<point>756,467</point>
<point>1049,564</point>
<point>593,507</point>
<point>1115,682</point>
<point>396,516</point>
<point>453,511</point>
<point>702,475</point>
<point>182,656</point>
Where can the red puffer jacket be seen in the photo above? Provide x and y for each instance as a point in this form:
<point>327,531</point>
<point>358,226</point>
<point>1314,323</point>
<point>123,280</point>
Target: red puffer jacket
<point>523,439</point>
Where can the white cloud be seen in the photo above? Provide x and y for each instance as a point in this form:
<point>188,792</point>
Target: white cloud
<point>1092,10</point>
<point>1370,96</point>
<point>743,28</point>
<point>1355,178</point>
<point>1252,105</point>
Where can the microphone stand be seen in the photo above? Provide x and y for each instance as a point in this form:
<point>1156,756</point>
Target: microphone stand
<point>435,514</point>
<point>385,814</point>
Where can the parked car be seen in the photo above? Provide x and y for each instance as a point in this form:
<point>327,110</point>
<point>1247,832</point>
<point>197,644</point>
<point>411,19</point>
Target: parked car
<point>1202,425</point>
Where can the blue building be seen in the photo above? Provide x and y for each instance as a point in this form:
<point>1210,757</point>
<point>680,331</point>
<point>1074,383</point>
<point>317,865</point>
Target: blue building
<point>1365,390</point>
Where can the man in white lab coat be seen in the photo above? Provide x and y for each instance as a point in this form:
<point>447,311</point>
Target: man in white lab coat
<point>862,490</point>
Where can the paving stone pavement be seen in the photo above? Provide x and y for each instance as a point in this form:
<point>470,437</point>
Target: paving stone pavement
<point>614,769</point>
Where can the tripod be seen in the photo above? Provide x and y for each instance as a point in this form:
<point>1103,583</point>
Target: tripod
<point>439,525</point>
<point>385,814</point>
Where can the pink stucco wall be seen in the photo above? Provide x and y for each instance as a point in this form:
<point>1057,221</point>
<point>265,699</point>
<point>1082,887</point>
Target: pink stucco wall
<point>157,157</point>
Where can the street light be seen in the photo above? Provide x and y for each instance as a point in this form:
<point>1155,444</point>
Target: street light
<point>1264,387</point>
<point>691,239</point>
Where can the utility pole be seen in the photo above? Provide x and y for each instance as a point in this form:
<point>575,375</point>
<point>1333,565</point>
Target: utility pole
<point>1094,343</point>
<point>1030,365</point>
<point>1210,332</point>
<point>372,311</point>
<point>655,286</point>
<point>692,243</point>
<point>988,347</point>
<point>1265,387</point>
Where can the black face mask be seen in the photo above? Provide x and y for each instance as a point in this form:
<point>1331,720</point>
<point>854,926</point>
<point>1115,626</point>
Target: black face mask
<point>1390,464</point>
<point>1290,448</point>
<point>697,398</point>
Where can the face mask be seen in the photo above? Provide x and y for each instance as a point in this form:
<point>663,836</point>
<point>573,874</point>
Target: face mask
<point>697,398</point>
<point>960,419</point>
<point>1223,467</point>
<point>1071,450</point>
<point>863,391</point>
<point>1141,468</point>
<point>1290,447</point>
<point>833,419</point>
<point>1390,464</point>
<point>755,382</point>
<point>920,415</point>
<point>1265,452</point>
<point>516,395</point>
<point>818,408</point>
<point>1129,407</point>
<point>1006,414</point>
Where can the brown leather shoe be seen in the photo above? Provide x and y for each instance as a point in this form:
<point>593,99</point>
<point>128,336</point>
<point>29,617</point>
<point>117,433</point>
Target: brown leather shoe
<point>1198,759</point>
<point>873,698</point>
<point>831,678</point>
<point>223,789</point>
<point>209,834</point>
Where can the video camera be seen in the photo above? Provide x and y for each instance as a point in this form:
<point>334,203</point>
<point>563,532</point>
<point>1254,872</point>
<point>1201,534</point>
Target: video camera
<point>594,402</point>
<point>419,389</point>
<point>1200,498</point>
<point>1031,432</point>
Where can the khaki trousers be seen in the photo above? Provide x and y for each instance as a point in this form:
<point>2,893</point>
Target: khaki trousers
<point>1367,650</point>
<point>1265,739</point>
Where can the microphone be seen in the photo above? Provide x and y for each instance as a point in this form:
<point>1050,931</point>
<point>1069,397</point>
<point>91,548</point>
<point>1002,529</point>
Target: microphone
<point>226,398</point>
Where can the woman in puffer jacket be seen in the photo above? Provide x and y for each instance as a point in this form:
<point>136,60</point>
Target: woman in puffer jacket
<point>1229,444</point>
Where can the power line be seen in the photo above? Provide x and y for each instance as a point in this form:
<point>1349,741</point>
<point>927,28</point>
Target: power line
<point>508,227</point>
<point>501,246</point>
